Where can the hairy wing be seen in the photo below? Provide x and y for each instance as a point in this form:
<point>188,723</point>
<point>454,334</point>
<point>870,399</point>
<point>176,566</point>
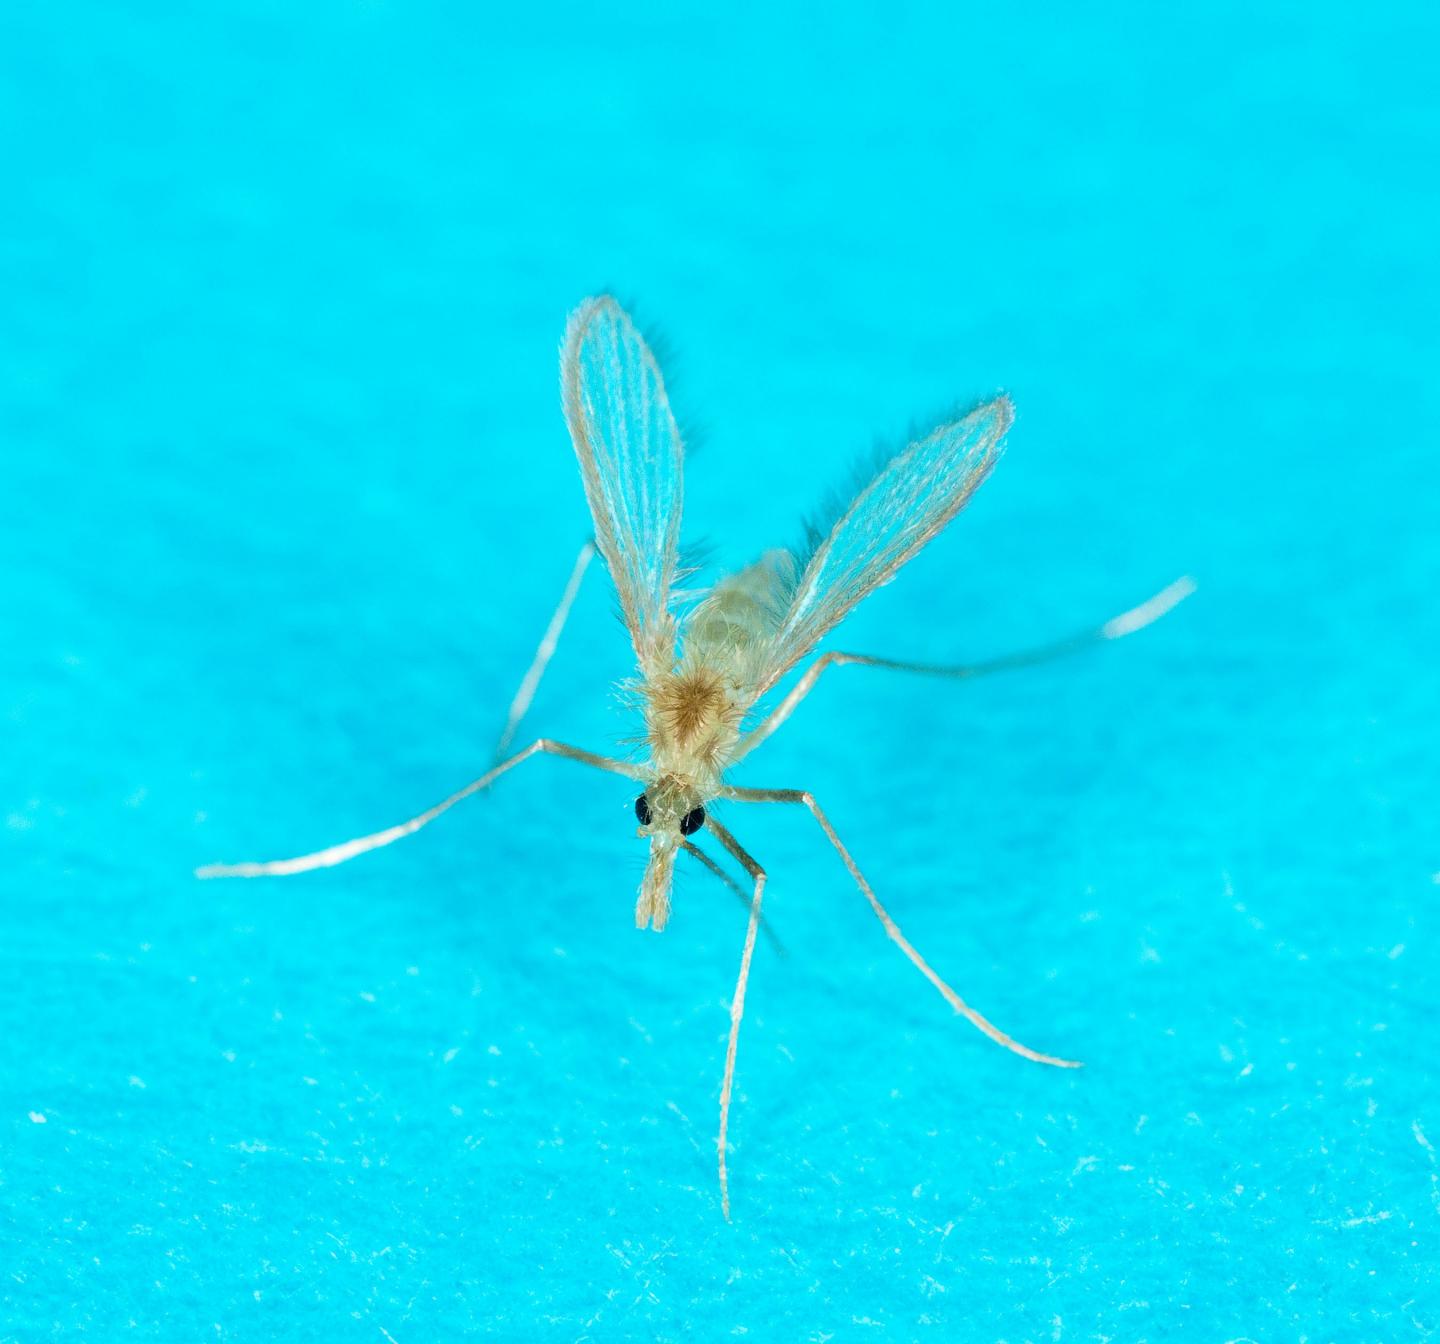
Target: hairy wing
<point>631,461</point>
<point>908,502</point>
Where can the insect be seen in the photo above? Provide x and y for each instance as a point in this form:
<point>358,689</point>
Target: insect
<point>707,663</point>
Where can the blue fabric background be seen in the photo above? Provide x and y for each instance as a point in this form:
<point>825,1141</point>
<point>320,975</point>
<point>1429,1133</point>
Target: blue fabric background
<point>286,500</point>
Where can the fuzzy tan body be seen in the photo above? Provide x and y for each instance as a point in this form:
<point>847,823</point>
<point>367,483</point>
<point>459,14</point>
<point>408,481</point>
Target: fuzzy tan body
<point>694,710</point>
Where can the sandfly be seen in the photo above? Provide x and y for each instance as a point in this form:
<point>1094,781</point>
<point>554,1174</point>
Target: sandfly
<point>708,660</point>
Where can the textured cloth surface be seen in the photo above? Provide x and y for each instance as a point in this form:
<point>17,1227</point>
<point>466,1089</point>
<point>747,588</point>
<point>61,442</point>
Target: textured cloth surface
<point>287,501</point>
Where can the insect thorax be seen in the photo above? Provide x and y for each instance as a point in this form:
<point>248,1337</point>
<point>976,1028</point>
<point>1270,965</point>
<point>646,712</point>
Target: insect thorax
<point>692,719</point>
<point>694,709</point>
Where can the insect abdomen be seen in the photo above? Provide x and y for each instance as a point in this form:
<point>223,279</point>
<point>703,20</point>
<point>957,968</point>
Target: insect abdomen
<point>737,621</point>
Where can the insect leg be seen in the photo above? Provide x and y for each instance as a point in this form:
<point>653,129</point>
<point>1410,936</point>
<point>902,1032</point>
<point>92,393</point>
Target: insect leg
<point>806,799</point>
<point>696,852</point>
<point>1126,623</point>
<point>737,1003</point>
<point>530,683</point>
<point>328,858</point>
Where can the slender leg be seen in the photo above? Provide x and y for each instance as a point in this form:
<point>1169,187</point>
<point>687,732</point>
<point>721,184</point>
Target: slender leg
<point>696,852</point>
<point>546,650</point>
<point>737,1003</point>
<point>1137,618</point>
<point>951,997</point>
<point>328,858</point>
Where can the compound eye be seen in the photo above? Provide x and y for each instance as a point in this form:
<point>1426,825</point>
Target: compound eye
<point>692,821</point>
<point>642,809</point>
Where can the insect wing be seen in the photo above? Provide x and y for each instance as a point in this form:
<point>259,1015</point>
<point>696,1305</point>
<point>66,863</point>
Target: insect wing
<point>909,501</point>
<point>631,461</point>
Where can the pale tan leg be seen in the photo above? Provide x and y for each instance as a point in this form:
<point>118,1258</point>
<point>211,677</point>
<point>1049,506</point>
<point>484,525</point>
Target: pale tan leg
<point>1137,618</point>
<point>805,799</point>
<point>696,852</point>
<point>737,1003</point>
<point>328,858</point>
<point>530,683</point>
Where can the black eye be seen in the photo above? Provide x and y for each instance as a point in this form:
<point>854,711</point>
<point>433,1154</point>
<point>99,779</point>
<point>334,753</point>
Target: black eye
<point>692,821</point>
<point>642,809</point>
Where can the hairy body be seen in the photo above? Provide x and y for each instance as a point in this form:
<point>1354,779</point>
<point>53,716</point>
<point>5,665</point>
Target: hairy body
<point>703,673</point>
<point>694,712</point>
